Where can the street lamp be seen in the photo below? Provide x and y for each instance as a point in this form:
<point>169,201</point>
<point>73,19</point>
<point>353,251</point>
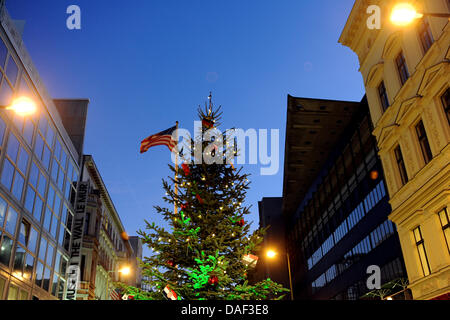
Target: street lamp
<point>126,270</point>
<point>404,14</point>
<point>271,254</point>
<point>22,106</point>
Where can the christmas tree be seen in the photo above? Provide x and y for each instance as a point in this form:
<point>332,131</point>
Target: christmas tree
<point>208,252</point>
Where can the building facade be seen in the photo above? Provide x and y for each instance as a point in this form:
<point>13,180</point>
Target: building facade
<point>335,202</point>
<point>39,168</point>
<point>276,268</point>
<point>406,75</point>
<point>136,258</point>
<point>105,245</point>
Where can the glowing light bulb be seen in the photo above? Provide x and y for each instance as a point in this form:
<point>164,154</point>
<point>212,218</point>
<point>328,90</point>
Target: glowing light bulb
<point>23,106</point>
<point>403,14</point>
<point>271,254</point>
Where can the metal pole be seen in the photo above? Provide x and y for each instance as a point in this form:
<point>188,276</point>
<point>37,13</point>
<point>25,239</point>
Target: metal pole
<point>175,209</point>
<point>438,15</point>
<point>290,277</point>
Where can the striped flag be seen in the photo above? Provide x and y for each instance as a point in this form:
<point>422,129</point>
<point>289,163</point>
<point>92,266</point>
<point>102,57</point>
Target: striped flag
<point>115,295</point>
<point>163,138</point>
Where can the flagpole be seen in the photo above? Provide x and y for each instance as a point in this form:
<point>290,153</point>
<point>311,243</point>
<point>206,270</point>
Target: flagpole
<point>175,209</point>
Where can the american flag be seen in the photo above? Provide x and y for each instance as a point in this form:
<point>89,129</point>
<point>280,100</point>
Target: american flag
<point>115,295</point>
<point>162,138</point>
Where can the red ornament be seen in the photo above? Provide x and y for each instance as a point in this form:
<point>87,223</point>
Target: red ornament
<point>186,169</point>
<point>184,206</point>
<point>208,123</point>
<point>199,198</point>
<point>241,222</point>
<point>213,280</point>
<point>170,263</point>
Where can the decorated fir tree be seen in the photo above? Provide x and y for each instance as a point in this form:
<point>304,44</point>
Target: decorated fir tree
<point>209,249</point>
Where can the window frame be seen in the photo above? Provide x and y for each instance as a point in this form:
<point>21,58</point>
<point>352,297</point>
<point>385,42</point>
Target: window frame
<point>424,143</point>
<point>420,244</point>
<point>383,96</point>
<point>402,67</point>
<point>425,35</point>
<point>401,166</point>
<point>446,226</point>
<point>445,98</point>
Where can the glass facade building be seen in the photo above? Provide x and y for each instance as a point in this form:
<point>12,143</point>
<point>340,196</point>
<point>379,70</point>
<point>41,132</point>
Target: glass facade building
<point>38,174</point>
<point>340,226</point>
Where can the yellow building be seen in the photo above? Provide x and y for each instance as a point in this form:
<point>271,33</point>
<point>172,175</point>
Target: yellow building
<point>406,74</point>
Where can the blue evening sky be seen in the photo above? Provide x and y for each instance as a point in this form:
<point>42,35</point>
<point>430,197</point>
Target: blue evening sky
<point>146,63</point>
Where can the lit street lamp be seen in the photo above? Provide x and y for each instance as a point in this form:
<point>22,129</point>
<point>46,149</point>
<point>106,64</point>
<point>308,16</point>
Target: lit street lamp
<point>404,13</point>
<point>22,106</point>
<point>271,254</point>
<point>126,270</point>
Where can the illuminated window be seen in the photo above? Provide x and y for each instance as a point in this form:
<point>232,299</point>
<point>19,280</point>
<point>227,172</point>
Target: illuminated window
<point>425,35</point>
<point>402,68</point>
<point>421,251</point>
<point>401,165</point>
<point>13,293</point>
<point>5,250</point>
<point>445,223</point>
<point>423,141</point>
<point>2,286</point>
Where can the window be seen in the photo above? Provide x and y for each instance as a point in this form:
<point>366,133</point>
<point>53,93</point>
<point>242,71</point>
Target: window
<point>445,223</point>
<point>5,93</point>
<point>42,249</point>
<point>54,284</point>
<point>15,167</point>
<point>24,234</point>
<point>11,221</point>
<point>12,70</point>
<point>5,250</point>
<point>86,223</point>
<point>446,103</point>
<point>423,141</point>
<point>2,284</point>
<point>3,206</point>
<point>32,241</point>
<point>401,165</point>
<point>13,293</point>
<point>2,131</point>
<point>3,54</point>
<point>425,35</point>
<point>402,68</point>
<point>383,96</point>
<point>421,251</point>
<point>39,270</point>
<point>19,260</point>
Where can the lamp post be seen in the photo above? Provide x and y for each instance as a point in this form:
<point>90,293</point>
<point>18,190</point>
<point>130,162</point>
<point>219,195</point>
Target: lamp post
<point>404,14</point>
<point>125,271</point>
<point>271,254</point>
<point>22,106</point>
